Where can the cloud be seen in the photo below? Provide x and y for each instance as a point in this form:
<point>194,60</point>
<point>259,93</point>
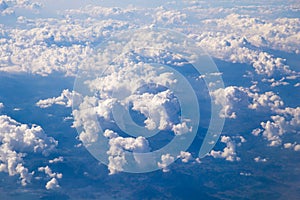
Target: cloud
<point>16,141</point>
<point>286,121</point>
<point>294,146</point>
<point>9,7</point>
<point>1,105</point>
<point>259,159</point>
<point>49,172</point>
<point>166,160</point>
<point>185,156</point>
<point>231,98</point>
<point>117,147</point>
<point>180,129</point>
<point>229,152</point>
<point>56,160</point>
<point>268,100</point>
<point>52,45</point>
<point>236,100</point>
<point>53,176</point>
<point>52,184</point>
<point>165,17</point>
<point>65,99</point>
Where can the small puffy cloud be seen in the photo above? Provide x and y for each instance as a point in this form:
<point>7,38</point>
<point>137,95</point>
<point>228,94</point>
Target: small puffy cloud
<point>245,174</point>
<point>297,147</point>
<point>56,160</point>
<point>185,156</point>
<point>294,146</point>
<point>1,105</point>
<point>16,140</point>
<point>166,160</point>
<point>229,152</point>
<point>49,172</point>
<point>52,184</point>
<point>259,159</point>
<point>180,129</point>
<point>65,99</point>
<point>288,145</point>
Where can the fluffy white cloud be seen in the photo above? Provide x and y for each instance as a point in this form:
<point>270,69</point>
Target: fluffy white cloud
<point>56,160</point>
<point>285,121</point>
<point>65,99</point>
<point>52,184</point>
<point>164,17</point>
<point>49,172</point>
<point>182,128</point>
<point>234,99</point>
<point>152,107</point>
<point>297,147</point>
<point>231,98</point>
<point>50,44</point>
<point>53,176</point>
<point>1,105</point>
<point>16,141</point>
<point>117,147</point>
<point>9,7</point>
<point>185,156</point>
<point>229,152</point>
<point>267,100</point>
<point>166,160</point>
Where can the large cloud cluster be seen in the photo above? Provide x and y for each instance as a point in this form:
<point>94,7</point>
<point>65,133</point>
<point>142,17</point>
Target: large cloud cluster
<point>47,45</point>
<point>236,99</point>
<point>16,141</point>
<point>50,45</point>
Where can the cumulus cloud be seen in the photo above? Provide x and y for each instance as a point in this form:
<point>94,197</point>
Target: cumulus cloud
<point>185,156</point>
<point>49,45</point>
<point>52,45</point>
<point>53,176</point>
<point>65,99</point>
<point>294,146</point>
<point>117,147</point>
<point>285,121</point>
<point>56,160</point>
<point>16,141</point>
<point>297,147</point>
<point>229,152</point>
<point>52,184</point>
<point>231,98</point>
<point>166,160</point>
<point>236,99</point>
